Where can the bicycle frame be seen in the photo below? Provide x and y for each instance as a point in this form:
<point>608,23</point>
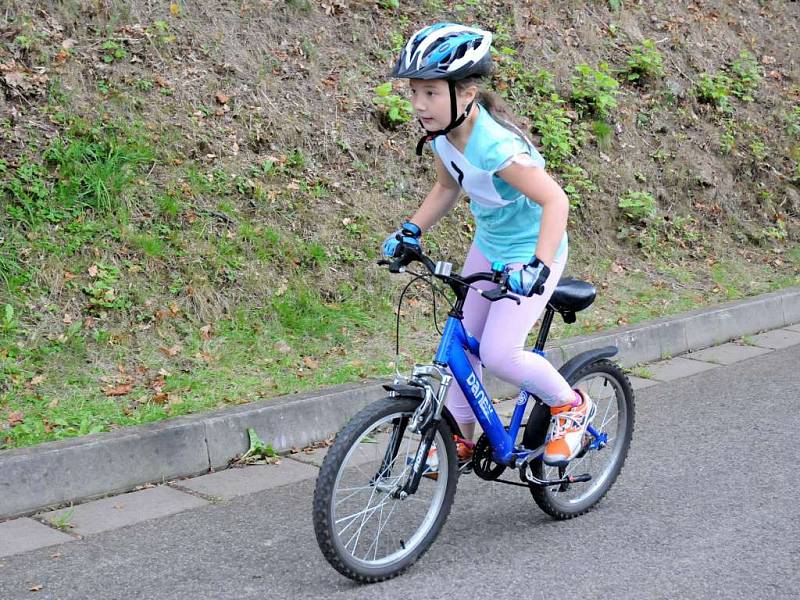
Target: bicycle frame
<point>451,352</point>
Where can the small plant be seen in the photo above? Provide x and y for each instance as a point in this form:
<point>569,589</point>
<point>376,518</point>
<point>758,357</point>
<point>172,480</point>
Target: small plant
<point>576,184</point>
<point>64,521</point>
<point>595,90</point>
<point>9,324</point>
<point>643,372</point>
<point>258,452</point>
<point>727,139</point>
<point>390,4</point>
<point>296,160</point>
<point>553,125</point>
<point>395,110</point>
<point>759,149</point>
<point>112,51</point>
<point>102,291</point>
<point>747,76</point>
<point>637,206</point>
<point>645,62</point>
<point>24,42</point>
<point>777,232</point>
<point>715,90</point>
<point>603,133</point>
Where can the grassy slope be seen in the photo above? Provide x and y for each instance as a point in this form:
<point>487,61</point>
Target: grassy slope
<point>193,198</point>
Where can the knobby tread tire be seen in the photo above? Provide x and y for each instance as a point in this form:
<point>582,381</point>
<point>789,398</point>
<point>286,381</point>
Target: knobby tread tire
<point>326,480</point>
<point>541,495</point>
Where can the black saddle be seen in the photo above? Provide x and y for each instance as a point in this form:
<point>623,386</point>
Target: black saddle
<point>572,295</point>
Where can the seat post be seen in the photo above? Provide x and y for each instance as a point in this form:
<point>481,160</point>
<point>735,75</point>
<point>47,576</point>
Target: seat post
<point>544,330</point>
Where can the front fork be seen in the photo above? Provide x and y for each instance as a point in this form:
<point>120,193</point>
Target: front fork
<point>425,420</point>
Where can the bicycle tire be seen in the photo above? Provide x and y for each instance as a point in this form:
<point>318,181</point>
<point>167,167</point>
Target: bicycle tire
<point>345,446</point>
<point>553,499</point>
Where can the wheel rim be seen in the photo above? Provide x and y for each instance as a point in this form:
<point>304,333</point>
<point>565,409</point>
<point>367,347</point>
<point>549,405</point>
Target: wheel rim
<point>611,418</point>
<point>369,526</point>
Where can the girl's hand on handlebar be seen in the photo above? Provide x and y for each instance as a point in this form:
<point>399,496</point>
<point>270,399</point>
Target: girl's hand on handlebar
<point>407,235</point>
<point>529,280</point>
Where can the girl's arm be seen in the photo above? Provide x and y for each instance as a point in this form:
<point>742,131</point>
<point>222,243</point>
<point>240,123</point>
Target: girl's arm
<point>439,200</point>
<point>537,185</point>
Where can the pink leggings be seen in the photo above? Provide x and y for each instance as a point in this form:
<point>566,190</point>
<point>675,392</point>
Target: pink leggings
<point>502,328</point>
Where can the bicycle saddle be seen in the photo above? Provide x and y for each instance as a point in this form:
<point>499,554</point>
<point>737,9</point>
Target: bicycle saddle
<point>572,295</point>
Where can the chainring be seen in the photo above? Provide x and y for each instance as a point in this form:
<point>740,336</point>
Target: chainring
<point>482,463</point>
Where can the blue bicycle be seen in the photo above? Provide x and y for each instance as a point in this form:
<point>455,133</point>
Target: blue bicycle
<point>379,504</point>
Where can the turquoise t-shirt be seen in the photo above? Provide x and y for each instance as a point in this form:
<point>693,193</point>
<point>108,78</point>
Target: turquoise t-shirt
<point>507,221</point>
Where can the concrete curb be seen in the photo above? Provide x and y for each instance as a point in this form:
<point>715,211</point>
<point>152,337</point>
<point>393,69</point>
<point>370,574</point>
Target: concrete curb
<point>45,476</point>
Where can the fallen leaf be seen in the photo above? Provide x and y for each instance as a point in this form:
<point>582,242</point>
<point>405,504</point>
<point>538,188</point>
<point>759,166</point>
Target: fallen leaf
<point>36,588</point>
<point>15,418</point>
<point>174,10</point>
<point>205,332</point>
<point>283,347</point>
<point>120,390</point>
<point>93,270</point>
<point>617,268</point>
<point>53,403</point>
<point>160,398</point>
<point>173,399</point>
<point>37,380</point>
<point>174,309</point>
<point>310,362</point>
<point>222,98</point>
<point>172,351</point>
<point>67,320</point>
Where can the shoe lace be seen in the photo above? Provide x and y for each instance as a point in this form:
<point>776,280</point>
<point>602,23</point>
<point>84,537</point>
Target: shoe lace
<point>561,422</point>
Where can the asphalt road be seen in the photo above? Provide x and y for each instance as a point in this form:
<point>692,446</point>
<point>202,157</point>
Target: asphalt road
<point>706,507</point>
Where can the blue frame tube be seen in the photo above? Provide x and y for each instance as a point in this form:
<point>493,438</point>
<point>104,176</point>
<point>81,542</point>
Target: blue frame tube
<point>451,352</point>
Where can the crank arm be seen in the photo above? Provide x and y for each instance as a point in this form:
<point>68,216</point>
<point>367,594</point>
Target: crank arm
<point>564,481</point>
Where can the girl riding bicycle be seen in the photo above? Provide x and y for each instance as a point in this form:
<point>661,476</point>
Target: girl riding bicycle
<point>520,214</point>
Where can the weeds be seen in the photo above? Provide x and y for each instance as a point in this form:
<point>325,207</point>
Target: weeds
<point>746,76</point>
<point>594,90</point>
<point>741,82</point>
<point>645,62</point>
<point>637,206</point>
<point>394,110</point>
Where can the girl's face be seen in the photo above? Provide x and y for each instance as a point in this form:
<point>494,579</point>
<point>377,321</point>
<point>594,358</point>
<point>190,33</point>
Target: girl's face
<point>431,101</point>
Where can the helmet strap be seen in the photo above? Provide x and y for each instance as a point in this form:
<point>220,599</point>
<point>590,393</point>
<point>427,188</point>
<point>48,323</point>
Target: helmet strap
<point>455,120</point>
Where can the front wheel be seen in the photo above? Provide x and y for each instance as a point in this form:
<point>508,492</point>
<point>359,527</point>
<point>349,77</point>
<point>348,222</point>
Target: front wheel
<point>610,389</point>
<point>365,528</point>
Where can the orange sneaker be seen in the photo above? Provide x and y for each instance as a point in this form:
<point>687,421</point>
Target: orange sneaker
<point>464,450</point>
<point>568,423</point>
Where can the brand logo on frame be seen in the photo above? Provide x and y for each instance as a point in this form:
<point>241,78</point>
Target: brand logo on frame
<point>480,395</point>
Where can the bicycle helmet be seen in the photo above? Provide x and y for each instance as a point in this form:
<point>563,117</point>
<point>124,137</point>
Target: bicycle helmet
<point>446,51</point>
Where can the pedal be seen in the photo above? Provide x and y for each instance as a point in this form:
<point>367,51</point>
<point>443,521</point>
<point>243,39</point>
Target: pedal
<point>465,469</point>
<point>569,479</point>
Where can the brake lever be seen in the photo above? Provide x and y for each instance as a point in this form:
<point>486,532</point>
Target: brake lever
<point>394,265</point>
<point>498,294</point>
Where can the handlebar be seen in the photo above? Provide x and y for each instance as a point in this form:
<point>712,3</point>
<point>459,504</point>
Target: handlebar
<point>459,285</point>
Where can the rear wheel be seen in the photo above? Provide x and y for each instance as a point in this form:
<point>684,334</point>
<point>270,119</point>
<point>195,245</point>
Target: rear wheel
<point>365,529</point>
<point>611,390</point>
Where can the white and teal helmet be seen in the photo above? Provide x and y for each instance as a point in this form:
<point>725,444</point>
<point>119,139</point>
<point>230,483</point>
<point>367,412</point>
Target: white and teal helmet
<point>445,51</point>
